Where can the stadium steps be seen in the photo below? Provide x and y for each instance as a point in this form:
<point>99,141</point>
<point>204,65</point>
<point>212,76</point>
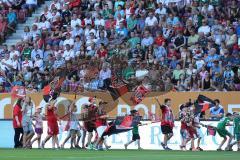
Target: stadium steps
<point>16,37</point>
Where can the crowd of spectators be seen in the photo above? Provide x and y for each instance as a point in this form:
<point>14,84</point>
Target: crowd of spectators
<point>180,45</point>
<point>14,11</point>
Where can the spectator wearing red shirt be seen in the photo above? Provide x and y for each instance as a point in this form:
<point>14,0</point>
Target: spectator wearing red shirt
<point>102,52</point>
<point>160,40</point>
<point>17,124</point>
<point>172,52</point>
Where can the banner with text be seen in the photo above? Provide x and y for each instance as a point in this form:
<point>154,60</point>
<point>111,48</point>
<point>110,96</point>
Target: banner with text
<point>229,100</point>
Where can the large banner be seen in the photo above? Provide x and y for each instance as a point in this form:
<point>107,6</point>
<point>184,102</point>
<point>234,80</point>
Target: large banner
<point>151,137</point>
<point>229,100</point>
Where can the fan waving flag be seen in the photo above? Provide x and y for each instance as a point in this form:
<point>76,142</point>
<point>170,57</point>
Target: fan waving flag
<point>203,103</point>
<point>122,124</point>
<point>52,90</point>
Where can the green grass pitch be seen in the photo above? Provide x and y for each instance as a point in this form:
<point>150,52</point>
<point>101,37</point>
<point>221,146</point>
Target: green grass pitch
<point>48,154</point>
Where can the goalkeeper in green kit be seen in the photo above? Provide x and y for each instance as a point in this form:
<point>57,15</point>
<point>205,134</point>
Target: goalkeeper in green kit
<point>236,129</point>
<point>221,130</point>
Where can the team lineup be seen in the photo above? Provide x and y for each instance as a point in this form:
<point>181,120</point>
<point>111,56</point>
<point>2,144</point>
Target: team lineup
<point>95,118</point>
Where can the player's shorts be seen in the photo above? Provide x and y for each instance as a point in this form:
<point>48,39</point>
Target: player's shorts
<point>135,137</point>
<point>27,125</point>
<point>100,130</point>
<point>89,127</point>
<point>73,131</point>
<point>223,133</point>
<point>53,129</point>
<point>237,136</point>
<point>166,129</point>
<point>79,133</point>
<point>184,133</point>
<point>198,132</point>
<point>192,133</point>
<point>38,130</point>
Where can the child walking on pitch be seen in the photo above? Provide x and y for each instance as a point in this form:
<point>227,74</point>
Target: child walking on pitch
<point>221,130</point>
<point>38,125</point>
<point>53,129</point>
<point>135,132</point>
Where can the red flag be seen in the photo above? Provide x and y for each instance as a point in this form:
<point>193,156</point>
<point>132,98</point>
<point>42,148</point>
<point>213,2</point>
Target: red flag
<point>206,106</point>
<point>211,131</point>
<point>139,94</point>
<point>18,92</point>
<point>127,122</point>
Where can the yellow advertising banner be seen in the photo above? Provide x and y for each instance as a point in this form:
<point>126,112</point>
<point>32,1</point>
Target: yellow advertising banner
<point>229,100</point>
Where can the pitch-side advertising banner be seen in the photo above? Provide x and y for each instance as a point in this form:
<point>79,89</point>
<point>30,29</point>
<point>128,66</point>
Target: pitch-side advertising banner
<point>229,100</point>
<point>151,137</point>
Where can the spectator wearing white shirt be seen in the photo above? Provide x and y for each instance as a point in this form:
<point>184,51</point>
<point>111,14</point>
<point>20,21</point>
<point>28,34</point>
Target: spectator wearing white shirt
<point>38,62</point>
<point>36,51</point>
<point>129,10</point>
<point>77,31</point>
<point>26,63</point>
<point>151,20</point>
<point>204,28</point>
<point>99,21</point>
<point>91,40</point>
<point>46,12</point>
<point>68,53</point>
<point>89,30</point>
<point>54,16</point>
<point>58,62</point>
<point>30,5</point>
<point>34,32</point>
<point>44,24</point>
<point>88,20</point>
<point>147,40</point>
<point>26,35</point>
<point>6,63</point>
<point>15,62</point>
<point>55,4</point>
<point>161,11</point>
<point>105,76</point>
<point>13,52</point>
<point>75,21</point>
<point>68,40</point>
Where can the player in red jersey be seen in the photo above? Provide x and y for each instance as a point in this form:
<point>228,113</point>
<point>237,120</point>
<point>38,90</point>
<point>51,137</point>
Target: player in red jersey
<point>101,125</point>
<point>52,123</point>
<point>183,131</point>
<point>167,122</point>
<point>89,124</point>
